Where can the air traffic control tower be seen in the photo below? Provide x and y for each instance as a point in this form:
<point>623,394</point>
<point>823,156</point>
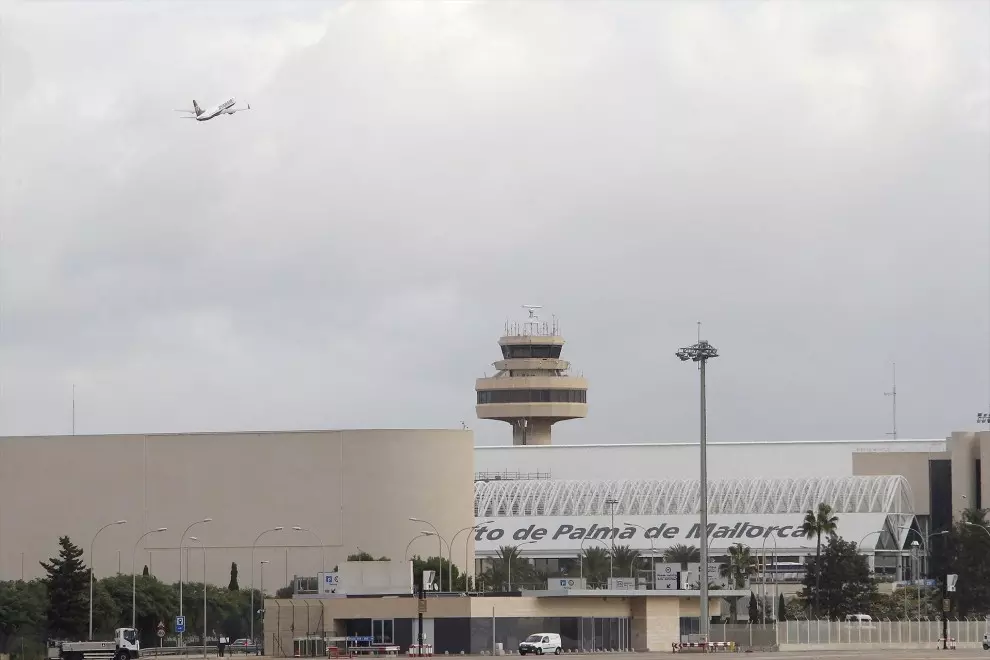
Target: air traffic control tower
<point>532,388</point>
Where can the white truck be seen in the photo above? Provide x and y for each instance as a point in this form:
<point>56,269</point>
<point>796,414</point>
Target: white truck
<point>124,646</point>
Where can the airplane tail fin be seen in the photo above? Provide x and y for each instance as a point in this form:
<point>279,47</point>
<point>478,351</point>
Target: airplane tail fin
<point>196,107</point>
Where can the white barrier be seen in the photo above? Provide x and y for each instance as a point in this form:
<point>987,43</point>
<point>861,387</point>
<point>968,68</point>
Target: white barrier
<point>924,633</point>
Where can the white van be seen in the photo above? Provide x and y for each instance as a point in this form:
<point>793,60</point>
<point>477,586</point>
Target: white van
<point>540,643</point>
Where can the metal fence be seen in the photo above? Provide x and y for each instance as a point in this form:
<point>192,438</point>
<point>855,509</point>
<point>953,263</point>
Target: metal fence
<point>887,633</point>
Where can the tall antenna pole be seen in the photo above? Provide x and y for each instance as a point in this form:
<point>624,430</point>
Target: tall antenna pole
<point>73,409</point>
<point>893,395</point>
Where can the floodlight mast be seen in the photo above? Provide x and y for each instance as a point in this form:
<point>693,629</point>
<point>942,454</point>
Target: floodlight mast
<point>701,353</point>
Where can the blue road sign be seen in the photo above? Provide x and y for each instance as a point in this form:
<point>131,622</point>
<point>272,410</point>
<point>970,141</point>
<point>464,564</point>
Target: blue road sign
<point>180,624</point>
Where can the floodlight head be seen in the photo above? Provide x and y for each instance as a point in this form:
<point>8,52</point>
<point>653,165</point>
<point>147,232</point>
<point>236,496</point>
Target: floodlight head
<point>264,561</point>
<point>699,352</point>
<point>162,529</point>
<point>416,520</point>
<point>119,522</point>
<point>206,520</point>
<point>426,533</point>
<point>193,538</point>
<point>297,528</point>
<point>277,529</point>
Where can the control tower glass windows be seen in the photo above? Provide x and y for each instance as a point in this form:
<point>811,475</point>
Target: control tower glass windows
<point>531,351</point>
<point>532,396</point>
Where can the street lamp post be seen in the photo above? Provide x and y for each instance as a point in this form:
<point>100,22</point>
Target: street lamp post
<point>182,540</point>
<point>440,543</point>
<point>91,545</point>
<point>322,550</point>
<point>134,574</point>
<point>510,561</point>
<point>256,539</point>
<point>581,552</point>
<point>261,569</point>
<point>611,502</point>
<point>653,554</point>
<point>763,585</point>
<point>193,538</point>
<point>450,554</point>
<point>418,536</point>
<point>701,353</point>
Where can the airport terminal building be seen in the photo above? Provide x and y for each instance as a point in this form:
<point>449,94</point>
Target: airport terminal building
<point>305,500</point>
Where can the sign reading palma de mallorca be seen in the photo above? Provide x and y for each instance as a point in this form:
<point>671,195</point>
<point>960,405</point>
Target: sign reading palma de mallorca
<point>572,533</point>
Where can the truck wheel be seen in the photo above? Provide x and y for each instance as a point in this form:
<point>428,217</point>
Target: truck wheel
<point>122,654</point>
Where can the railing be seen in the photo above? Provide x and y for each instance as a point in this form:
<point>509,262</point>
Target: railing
<point>881,633</point>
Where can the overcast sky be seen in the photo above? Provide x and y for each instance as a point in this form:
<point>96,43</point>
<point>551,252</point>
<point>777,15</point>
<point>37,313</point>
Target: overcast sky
<point>809,179</point>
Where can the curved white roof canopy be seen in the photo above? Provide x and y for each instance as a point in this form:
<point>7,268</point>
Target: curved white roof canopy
<point>644,497</point>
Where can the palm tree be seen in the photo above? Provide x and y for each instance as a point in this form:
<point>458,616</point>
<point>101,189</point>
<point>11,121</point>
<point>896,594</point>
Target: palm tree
<point>625,560</point>
<point>508,563</point>
<point>741,565</point>
<point>815,524</point>
<point>682,554</point>
<point>594,564</point>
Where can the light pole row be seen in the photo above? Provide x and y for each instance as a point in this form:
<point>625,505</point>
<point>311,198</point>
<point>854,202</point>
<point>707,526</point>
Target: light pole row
<point>182,541</point>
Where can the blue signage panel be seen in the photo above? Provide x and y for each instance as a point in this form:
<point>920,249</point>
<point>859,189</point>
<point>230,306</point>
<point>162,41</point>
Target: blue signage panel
<point>180,624</point>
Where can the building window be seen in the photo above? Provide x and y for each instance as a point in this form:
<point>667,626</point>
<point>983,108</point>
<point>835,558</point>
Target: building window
<point>532,396</point>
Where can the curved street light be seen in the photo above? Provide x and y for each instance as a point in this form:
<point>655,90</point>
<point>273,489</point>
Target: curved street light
<point>322,549</point>
<point>93,543</point>
<point>193,538</point>
<point>450,553</point>
<point>581,551</point>
<point>518,545</point>
<point>653,551</point>
<point>440,556</point>
<point>418,536</point>
<point>256,539</point>
<point>182,540</point>
<point>134,573</point>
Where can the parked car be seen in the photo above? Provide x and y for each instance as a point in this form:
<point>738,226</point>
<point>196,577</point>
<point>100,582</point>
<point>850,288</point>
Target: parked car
<point>242,645</point>
<point>540,643</point>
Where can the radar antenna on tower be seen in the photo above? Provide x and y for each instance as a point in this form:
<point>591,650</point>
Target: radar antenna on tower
<point>532,324</point>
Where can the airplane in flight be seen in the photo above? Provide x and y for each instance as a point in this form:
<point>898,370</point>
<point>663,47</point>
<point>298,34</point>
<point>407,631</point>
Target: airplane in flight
<point>225,108</point>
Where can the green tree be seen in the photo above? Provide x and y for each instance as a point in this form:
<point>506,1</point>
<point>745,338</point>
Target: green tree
<point>682,554</point>
<point>440,565</point>
<point>67,584</point>
<point>740,566</point>
<point>968,550</point>
<point>364,556</point>
<point>818,523</point>
<point>233,577</point>
<point>781,608</point>
<point>839,581</point>
<point>625,559</point>
<point>285,592</point>
<point>894,605</point>
<point>498,575</point>
<point>594,564</point>
<point>154,600</point>
<point>22,612</point>
<point>754,608</point>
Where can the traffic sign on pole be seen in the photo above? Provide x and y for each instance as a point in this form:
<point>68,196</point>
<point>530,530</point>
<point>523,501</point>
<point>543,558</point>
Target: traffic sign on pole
<point>161,632</point>
<point>180,624</point>
<point>950,581</point>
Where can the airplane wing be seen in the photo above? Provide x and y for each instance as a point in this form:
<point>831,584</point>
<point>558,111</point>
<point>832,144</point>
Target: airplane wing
<point>233,110</point>
<point>192,112</point>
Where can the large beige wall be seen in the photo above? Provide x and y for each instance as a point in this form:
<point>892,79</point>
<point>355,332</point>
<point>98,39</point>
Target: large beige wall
<point>355,489</point>
<point>913,466</point>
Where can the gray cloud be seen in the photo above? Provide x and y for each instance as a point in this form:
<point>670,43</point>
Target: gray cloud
<point>810,179</point>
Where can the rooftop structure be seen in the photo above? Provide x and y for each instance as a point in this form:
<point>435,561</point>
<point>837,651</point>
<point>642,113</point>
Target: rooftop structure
<point>532,388</point>
<point>650,497</point>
